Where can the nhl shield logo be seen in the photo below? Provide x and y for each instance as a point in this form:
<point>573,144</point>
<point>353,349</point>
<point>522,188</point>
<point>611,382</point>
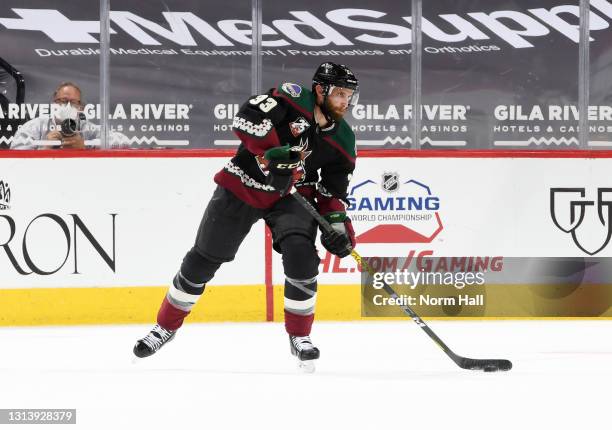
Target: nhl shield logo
<point>298,126</point>
<point>390,182</point>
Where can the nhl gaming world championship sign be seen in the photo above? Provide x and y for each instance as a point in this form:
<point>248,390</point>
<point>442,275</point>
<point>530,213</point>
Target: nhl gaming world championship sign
<point>391,209</point>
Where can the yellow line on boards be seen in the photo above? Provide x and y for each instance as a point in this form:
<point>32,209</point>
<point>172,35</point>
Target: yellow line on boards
<point>124,305</point>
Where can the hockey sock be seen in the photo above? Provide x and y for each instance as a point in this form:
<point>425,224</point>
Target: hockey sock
<point>300,300</point>
<point>181,297</point>
<point>298,325</point>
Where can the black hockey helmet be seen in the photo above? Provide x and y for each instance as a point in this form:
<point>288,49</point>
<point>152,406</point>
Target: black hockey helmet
<point>330,75</point>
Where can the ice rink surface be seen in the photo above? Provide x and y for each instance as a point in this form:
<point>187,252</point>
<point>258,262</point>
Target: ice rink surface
<point>378,375</point>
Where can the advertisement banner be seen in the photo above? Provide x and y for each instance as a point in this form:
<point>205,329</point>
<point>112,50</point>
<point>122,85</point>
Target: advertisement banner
<point>442,207</point>
<point>537,231</point>
<point>89,228</point>
<point>493,76</point>
<point>525,221</point>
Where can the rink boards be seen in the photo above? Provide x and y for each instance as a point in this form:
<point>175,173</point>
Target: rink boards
<point>95,239</point>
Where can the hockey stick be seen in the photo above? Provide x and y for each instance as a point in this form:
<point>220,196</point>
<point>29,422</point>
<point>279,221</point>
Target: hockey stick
<point>487,365</point>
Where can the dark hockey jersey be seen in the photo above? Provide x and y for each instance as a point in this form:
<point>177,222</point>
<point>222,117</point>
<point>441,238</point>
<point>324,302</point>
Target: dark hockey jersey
<point>285,115</point>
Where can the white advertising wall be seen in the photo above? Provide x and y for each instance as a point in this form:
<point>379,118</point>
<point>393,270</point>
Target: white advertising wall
<point>123,222</point>
<point>142,212</point>
<point>476,207</point>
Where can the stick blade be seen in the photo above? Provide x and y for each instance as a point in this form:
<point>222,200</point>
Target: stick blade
<point>485,365</point>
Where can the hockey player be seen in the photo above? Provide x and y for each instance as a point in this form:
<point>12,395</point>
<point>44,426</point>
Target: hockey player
<point>290,137</point>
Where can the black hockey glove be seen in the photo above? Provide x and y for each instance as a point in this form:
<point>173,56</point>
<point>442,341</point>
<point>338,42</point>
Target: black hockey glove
<point>337,243</point>
<point>341,241</point>
<point>281,164</point>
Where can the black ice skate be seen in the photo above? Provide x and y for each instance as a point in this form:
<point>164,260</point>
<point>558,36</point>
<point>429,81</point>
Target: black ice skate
<point>305,351</point>
<point>157,337</point>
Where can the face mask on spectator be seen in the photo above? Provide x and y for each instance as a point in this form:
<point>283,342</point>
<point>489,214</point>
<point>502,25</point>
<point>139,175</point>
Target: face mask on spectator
<point>68,119</point>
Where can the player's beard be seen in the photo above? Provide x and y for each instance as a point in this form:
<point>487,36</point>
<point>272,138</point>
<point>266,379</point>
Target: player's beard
<point>336,114</point>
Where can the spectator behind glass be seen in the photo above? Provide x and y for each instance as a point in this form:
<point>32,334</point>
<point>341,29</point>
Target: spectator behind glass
<point>68,129</point>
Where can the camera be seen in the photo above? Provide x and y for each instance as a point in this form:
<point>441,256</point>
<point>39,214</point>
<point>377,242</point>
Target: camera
<point>69,120</point>
<point>70,127</point>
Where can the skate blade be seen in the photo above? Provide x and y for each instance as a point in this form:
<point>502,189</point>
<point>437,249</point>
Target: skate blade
<point>307,366</point>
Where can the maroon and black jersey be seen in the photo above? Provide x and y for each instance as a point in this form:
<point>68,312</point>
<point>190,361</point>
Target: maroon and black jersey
<point>285,115</point>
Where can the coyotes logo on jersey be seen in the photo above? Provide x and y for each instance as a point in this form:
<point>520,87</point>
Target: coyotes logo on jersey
<point>298,126</point>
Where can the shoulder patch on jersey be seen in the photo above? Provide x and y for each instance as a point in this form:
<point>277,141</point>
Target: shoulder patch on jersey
<point>299,126</point>
<point>292,89</point>
<point>303,103</point>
